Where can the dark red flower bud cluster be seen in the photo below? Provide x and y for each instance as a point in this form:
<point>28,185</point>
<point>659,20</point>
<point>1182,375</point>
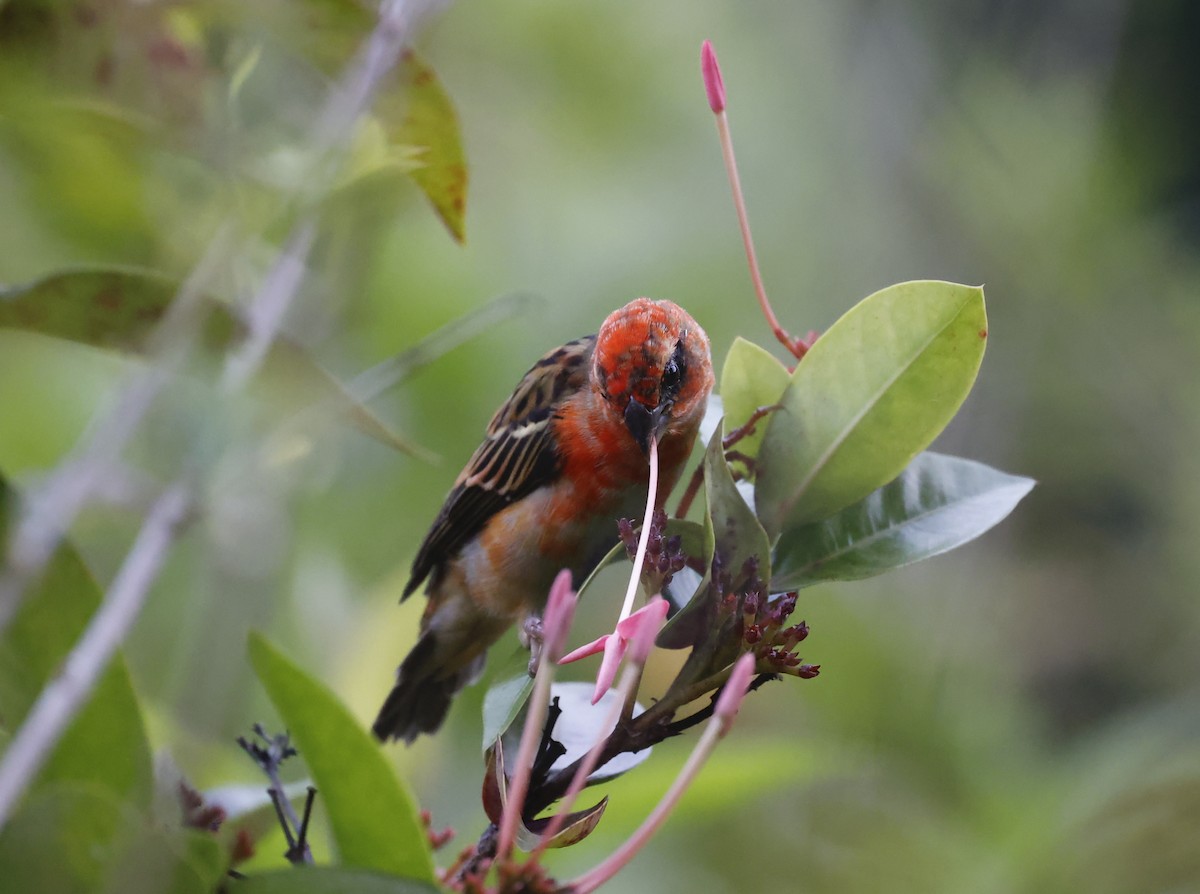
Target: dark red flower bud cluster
<point>664,553</point>
<point>762,619</point>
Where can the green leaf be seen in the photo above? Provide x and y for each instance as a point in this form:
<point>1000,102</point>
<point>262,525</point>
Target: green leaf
<point>869,396</point>
<point>696,538</point>
<point>751,378</point>
<point>372,815</point>
<point>577,826</point>
<point>736,531</point>
<point>118,307</point>
<point>736,536</point>
<point>938,502</point>
<point>71,838</point>
<point>106,307</point>
<point>430,124</point>
<point>106,743</point>
<point>506,696</point>
<point>327,880</point>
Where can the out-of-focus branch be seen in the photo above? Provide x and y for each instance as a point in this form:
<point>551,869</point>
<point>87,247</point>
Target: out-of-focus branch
<point>62,697</point>
<point>374,381</point>
<point>50,509</point>
<point>348,101</point>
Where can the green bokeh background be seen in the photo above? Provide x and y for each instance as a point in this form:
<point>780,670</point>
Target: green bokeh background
<point>1019,716</point>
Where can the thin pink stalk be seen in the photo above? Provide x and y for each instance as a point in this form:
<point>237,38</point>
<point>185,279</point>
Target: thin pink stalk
<point>628,680</point>
<point>639,558</point>
<point>560,612</point>
<point>715,89</point>
<point>560,608</point>
<point>717,727</point>
<point>639,650</point>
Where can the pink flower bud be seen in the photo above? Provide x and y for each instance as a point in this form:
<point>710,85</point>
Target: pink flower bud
<point>560,611</point>
<point>713,85</point>
<point>596,645</point>
<point>735,689</point>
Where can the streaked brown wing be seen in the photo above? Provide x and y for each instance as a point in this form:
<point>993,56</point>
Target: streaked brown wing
<point>517,457</point>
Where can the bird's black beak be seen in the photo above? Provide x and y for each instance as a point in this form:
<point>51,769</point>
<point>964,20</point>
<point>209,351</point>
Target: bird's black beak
<point>643,422</point>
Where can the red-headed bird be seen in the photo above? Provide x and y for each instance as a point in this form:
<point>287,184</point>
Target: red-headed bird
<point>565,457</point>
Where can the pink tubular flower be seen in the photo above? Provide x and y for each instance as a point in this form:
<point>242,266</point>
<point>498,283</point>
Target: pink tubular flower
<point>638,631</point>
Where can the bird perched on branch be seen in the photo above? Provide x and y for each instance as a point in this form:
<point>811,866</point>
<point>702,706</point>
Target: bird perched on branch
<point>565,456</point>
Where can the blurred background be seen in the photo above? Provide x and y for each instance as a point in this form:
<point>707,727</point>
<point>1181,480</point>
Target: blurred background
<point>1022,715</point>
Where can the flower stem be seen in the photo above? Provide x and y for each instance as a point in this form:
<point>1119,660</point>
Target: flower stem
<point>713,732</point>
<point>624,690</point>
<point>640,557</point>
<point>689,495</point>
<point>535,717</point>
<point>795,347</point>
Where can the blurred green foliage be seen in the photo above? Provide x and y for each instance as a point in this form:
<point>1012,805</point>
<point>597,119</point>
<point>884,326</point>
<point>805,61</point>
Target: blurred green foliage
<point>1022,716</point>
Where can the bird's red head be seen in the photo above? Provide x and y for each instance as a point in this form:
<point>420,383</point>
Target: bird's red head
<point>652,365</point>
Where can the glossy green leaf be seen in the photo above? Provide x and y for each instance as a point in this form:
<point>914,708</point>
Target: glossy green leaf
<point>751,378</point>
<point>327,880</point>
<point>106,743</point>
<point>736,531</point>
<point>869,396</point>
<point>372,815</point>
<point>71,838</point>
<point>737,536</point>
<point>431,126</point>
<point>938,502</point>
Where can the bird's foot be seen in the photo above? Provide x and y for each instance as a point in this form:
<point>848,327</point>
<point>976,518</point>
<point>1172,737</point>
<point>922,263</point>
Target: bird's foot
<point>530,635</point>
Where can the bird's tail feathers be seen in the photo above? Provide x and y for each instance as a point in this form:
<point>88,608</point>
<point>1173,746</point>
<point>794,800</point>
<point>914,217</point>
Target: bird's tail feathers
<point>420,700</point>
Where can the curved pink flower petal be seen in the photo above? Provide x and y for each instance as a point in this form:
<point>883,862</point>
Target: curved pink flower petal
<point>596,645</point>
<point>640,634</point>
<point>614,650</point>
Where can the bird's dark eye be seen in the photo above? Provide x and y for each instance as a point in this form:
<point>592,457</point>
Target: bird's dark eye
<point>672,376</point>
